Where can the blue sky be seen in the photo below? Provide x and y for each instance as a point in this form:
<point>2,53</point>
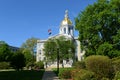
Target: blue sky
<point>23,19</point>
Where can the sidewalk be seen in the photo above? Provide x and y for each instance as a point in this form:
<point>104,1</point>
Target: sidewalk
<point>49,75</point>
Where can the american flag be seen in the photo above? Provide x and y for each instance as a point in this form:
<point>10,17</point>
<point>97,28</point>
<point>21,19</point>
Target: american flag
<point>49,31</point>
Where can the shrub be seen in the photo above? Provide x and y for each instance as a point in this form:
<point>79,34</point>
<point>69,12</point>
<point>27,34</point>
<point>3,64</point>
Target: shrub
<point>30,65</point>
<point>100,65</point>
<point>79,65</point>
<point>116,65</point>
<point>105,78</point>
<point>73,72</point>
<point>84,75</point>
<point>4,65</point>
<point>117,75</point>
<point>65,73</point>
<point>39,65</point>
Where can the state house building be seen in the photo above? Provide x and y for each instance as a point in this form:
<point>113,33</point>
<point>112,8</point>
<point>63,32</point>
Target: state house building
<point>66,29</point>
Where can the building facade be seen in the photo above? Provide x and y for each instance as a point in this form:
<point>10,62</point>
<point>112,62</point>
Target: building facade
<point>66,29</point>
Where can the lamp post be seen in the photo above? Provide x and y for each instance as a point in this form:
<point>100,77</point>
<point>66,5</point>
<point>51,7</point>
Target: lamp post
<point>57,61</point>
<point>57,55</point>
<point>74,42</point>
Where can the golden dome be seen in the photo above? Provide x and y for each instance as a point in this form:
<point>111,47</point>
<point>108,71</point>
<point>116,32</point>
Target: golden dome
<point>66,19</point>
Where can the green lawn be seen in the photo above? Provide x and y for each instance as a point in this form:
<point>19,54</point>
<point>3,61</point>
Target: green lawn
<point>21,75</point>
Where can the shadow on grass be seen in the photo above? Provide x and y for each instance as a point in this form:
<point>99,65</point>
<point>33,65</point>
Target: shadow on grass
<point>21,75</point>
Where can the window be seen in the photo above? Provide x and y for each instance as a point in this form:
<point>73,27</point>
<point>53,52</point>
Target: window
<point>68,30</point>
<point>39,58</point>
<point>64,30</point>
<point>39,51</point>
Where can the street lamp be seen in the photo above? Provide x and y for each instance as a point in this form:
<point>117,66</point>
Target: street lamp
<point>57,61</point>
<point>57,55</point>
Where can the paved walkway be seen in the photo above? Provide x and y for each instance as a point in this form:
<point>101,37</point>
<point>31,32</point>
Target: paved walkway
<point>49,75</point>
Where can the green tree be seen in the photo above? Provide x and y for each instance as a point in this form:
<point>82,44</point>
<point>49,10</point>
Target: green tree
<point>65,48</point>
<point>18,60</point>
<point>5,53</point>
<point>28,56</point>
<point>2,42</point>
<point>99,24</point>
<point>30,45</point>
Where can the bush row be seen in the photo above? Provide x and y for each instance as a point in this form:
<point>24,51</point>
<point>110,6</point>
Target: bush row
<point>65,73</point>
<point>37,66</point>
<point>94,67</point>
<point>4,65</point>
<point>97,67</point>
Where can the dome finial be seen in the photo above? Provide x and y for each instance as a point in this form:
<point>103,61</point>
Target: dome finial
<point>66,14</point>
<point>66,19</point>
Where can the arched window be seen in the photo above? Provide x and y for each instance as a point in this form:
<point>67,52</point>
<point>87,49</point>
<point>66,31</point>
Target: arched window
<point>64,30</point>
<point>68,30</point>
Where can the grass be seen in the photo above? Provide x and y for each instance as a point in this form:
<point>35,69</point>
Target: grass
<point>21,75</point>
